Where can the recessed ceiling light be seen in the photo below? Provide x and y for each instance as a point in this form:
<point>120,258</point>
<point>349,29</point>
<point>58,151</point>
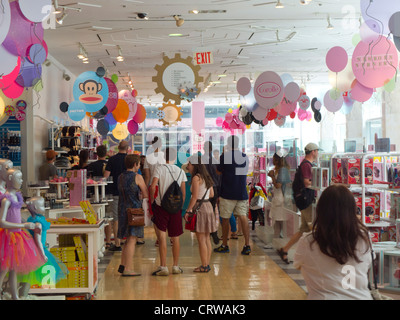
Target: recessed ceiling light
<point>222,75</point>
<point>175,35</point>
<point>194,11</point>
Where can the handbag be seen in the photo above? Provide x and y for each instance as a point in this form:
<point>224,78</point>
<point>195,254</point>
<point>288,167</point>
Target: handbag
<point>376,295</point>
<point>135,216</point>
<point>192,219</point>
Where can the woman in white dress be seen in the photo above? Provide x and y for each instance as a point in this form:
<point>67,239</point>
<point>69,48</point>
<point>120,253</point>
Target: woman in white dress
<point>280,177</point>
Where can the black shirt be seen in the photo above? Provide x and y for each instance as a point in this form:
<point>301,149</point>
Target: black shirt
<point>96,169</point>
<point>116,165</point>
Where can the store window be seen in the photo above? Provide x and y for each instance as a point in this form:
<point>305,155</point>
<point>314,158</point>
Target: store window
<point>373,127</point>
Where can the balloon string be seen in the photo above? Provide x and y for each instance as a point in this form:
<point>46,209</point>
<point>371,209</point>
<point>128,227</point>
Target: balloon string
<point>382,27</point>
<point>2,7</point>
<point>386,57</point>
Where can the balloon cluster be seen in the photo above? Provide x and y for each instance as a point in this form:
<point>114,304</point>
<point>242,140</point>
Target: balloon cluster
<point>98,98</point>
<point>374,63</point>
<point>232,122</point>
<point>273,98</point>
<point>22,50</point>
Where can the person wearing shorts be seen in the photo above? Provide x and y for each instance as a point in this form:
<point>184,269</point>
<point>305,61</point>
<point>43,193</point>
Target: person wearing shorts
<point>164,176</point>
<point>233,167</point>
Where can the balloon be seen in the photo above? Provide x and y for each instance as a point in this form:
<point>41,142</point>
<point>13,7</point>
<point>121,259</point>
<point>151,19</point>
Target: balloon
<point>130,100</point>
<point>378,13</point>
<point>243,86</point>
<point>260,113</point>
<point>112,101</point>
<point>110,119</point>
<point>342,80</point>
<point>114,78</point>
<point>265,122</point>
<point>76,111</point>
<point>397,42</point>
<point>141,114</point>
<point>121,112</point>
<point>91,90</point>
<point>317,116</point>
<point>334,93</point>
<point>37,54</point>
<point>272,114</point>
<point>390,86</point>
<point>134,93</point>
<point>333,105</point>
<point>219,121</point>
<point>268,90</point>
<point>249,101</point>
<point>336,59</point>
<point>101,72</point>
<point>302,114</point>
<point>286,79</point>
<point>22,34</point>
<point>356,39</point>
<point>309,116</point>
<point>286,107</point>
<point>9,79</point>
<point>318,105</point>
<point>120,132</point>
<point>367,34</point>
<point>360,93</point>
<point>375,64</point>
<point>304,102</point>
<point>280,121</point>
<point>14,91</point>
<point>29,74</point>
<point>35,10</point>
<point>5,20</point>
<point>133,127</point>
<point>8,61</point>
<point>292,91</point>
<point>225,126</point>
<point>394,24</point>
<point>103,127</point>
<point>64,107</point>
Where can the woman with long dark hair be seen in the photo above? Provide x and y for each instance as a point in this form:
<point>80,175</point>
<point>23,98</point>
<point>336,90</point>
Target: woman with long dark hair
<point>202,187</point>
<point>336,256</point>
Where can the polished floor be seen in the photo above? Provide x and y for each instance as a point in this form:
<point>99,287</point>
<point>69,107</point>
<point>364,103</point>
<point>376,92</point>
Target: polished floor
<point>233,276</point>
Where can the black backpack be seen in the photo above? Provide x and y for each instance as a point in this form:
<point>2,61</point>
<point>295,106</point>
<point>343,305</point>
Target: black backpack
<point>303,197</point>
<point>172,200</point>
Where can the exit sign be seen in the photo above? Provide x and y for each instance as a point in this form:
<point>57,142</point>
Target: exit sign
<point>203,56</point>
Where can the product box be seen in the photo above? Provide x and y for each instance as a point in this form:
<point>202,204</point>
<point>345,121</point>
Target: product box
<point>378,170</point>
<point>351,171</point>
<point>77,187</point>
<point>337,170</point>
<point>369,210</point>
<point>377,197</point>
<point>375,234</point>
<point>369,171</point>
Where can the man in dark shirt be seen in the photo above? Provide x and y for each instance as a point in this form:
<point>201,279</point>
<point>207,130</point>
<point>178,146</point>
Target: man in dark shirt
<point>115,166</point>
<point>97,169</point>
<point>233,167</point>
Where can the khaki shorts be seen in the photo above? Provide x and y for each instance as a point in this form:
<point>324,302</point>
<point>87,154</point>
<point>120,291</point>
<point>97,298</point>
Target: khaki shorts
<point>306,220</point>
<point>237,207</point>
<point>112,209</point>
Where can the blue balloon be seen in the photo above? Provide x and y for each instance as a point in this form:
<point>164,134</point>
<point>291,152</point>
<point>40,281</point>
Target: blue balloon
<point>76,111</point>
<point>110,119</point>
<point>91,90</point>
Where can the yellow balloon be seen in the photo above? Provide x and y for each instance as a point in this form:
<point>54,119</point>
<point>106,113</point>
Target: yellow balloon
<point>2,107</point>
<point>230,110</point>
<point>248,126</point>
<point>120,131</point>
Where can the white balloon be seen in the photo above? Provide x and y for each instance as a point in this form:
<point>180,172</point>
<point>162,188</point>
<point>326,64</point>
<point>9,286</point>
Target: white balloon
<point>35,10</point>
<point>8,61</point>
<point>5,20</point>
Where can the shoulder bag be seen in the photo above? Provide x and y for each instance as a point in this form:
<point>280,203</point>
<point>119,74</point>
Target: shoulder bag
<point>376,295</point>
<point>135,216</point>
<point>192,219</point>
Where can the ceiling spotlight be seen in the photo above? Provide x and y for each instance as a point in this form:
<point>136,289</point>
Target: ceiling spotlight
<point>179,21</point>
<point>279,5</point>
<point>66,77</point>
<point>305,2</point>
<point>194,11</point>
<point>330,26</point>
<point>120,58</point>
<point>63,16</point>
<point>143,15</point>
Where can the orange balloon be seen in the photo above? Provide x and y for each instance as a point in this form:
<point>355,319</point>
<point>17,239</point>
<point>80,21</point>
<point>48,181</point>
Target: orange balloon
<point>121,111</point>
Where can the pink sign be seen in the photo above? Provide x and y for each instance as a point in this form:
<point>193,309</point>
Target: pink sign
<point>375,64</point>
<point>198,125</point>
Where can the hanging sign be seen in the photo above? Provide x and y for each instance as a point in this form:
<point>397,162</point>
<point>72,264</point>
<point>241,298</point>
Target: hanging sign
<point>203,56</point>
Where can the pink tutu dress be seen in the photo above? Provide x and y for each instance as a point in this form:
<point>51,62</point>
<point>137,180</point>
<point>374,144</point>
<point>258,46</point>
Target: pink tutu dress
<point>18,251</point>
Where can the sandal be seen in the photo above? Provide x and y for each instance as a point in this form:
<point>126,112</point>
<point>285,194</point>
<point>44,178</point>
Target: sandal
<point>108,245</point>
<point>282,254</point>
<point>234,236</point>
<point>202,269</point>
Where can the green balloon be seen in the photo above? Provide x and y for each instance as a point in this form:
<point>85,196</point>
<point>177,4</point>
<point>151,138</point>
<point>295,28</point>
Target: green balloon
<point>114,78</point>
<point>391,85</point>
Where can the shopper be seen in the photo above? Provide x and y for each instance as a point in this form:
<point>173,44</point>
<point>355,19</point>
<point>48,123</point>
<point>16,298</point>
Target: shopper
<point>233,167</point>
<point>164,176</point>
<point>206,223</point>
<point>48,170</point>
<point>83,160</point>
<point>280,177</point>
<point>311,151</point>
<point>115,166</point>
<point>154,158</point>
<point>97,168</point>
<point>130,184</point>
<point>338,246</point>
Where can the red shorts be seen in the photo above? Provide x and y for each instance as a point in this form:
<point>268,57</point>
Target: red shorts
<point>166,221</point>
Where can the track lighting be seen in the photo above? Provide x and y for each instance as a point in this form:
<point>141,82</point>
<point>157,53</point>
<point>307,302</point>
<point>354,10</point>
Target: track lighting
<point>120,58</point>
<point>83,55</point>
<point>179,21</point>
<point>330,26</point>
<point>63,16</point>
<point>143,16</point>
<point>279,5</point>
<point>305,2</point>
<point>66,77</point>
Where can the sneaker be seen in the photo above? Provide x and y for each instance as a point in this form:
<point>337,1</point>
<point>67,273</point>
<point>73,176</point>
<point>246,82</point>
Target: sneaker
<point>161,271</point>
<point>176,270</point>
<point>246,250</point>
<point>215,237</point>
<point>222,249</point>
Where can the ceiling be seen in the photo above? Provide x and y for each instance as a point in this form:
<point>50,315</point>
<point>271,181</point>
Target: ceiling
<point>247,37</point>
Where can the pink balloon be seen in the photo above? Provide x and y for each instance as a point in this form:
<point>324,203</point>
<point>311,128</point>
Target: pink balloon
<point>286,107</point>
<point>243,86</point>
<point>375,64</point>
<point>360,93</point>
<point>336,59</point>
<point>133,127</point>
<point>226,127</point>
<point>228,117</point>
<point>302,114</point>
<point>14,91</point>
<point>112,101</point>
<point>309,116</point>
<point>268,90</point>
<point>318,105</point>
<point>265,122</point>
<point>333,105</point>
<point>292,92</point>
<point>126,95</point>
<point>9,79</point>
<point>23,33</point>
<point>219,121</point>
<point>280,121</point>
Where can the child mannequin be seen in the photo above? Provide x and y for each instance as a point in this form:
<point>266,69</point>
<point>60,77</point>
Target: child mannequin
<point>18,251</point>
<point>5,165</point>
<point>54,270</point>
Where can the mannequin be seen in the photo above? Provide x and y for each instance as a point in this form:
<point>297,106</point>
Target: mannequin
<point>18,251</point>
<point>53,270</point>
<point>5,165</point>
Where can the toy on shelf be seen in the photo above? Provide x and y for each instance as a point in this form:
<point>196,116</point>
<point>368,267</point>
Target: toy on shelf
<point>19,254</point>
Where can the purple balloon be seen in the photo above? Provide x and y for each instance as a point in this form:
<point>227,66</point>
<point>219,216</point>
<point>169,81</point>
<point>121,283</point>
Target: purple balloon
<point>336,59</point>
<point>377,14</point>
<point>333,105</point>
<point>29,74</point>
<point>37,54</point>
<point>23,33</point>
<point>292,91</point>
<point>243,86</point>
<point>110,119</point>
